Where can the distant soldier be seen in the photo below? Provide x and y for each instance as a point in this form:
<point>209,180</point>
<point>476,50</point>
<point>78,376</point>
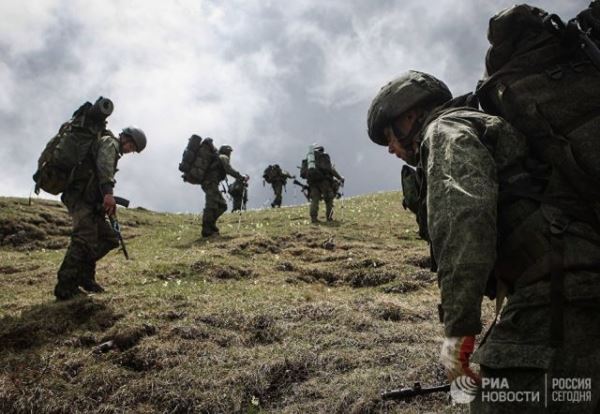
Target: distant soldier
<point>239,194</point>
<point>277,177</point>
<point>215,203</point>
<point>320,174</point>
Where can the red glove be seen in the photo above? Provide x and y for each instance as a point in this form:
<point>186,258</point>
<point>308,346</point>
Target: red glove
<point>455,355</point>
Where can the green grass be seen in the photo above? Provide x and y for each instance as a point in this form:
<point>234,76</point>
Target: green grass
<point>276,316</point>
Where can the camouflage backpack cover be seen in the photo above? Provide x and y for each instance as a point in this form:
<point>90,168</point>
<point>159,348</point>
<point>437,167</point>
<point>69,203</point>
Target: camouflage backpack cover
<point>198,156</point>
<point>316,166</point>
<point>71,145</point>
<point>544,78</point>
<point>272,173</point>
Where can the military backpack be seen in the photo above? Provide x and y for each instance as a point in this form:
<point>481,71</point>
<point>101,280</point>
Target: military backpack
<point>71,146</point>
<point>316,166</point>
<point>272,173</point>
<point>543,76</point>
<point>197,158</point>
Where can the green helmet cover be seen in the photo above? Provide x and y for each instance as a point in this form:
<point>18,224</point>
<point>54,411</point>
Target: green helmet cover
<point>398,96</point>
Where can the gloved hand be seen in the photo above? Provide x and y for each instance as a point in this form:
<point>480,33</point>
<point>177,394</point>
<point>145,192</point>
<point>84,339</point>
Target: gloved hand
<point>455,354</point>
<point>109,204</point>
<point>246,177</point>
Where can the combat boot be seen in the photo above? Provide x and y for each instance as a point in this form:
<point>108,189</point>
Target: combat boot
<point>88,279</point>
<point>64,291</point>
<point>209,227</point>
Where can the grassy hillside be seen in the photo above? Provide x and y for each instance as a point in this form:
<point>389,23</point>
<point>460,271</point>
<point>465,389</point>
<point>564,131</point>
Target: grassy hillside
<point>275,316</point>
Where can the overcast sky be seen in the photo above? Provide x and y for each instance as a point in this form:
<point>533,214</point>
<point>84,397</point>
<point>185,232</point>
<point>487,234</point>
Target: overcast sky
<point>266,77</point>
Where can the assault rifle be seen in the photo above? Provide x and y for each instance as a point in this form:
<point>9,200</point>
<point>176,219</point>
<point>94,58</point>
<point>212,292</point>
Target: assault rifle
<point>404,394</point>
<point>305,189</point>
<point>116,227</point>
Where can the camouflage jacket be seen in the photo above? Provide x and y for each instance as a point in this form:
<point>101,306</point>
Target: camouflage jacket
<point>219,170</point>
<point>468,159</point>
<point>96,175</point>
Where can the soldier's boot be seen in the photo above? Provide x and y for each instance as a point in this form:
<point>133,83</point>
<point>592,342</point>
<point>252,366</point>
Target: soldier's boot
<point>329,209</point>
<point>209,227</point>
<point>66,288</point>
<point>88,279</point>
<point>329,214</point>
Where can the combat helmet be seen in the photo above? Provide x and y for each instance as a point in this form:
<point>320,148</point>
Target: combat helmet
<point>398,96</point>
<point>225,149</point>
<point>137,135</point>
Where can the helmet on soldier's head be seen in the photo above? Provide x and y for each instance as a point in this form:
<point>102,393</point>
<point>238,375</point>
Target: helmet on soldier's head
<point>398,96</point>
<point>137,135</point>
<point>225,149</point>
<point>319,148</point>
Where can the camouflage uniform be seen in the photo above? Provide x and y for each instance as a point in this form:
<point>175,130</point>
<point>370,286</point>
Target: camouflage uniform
<point>277,184</point>
<point>215,204</point>
<point>92,236</point>
<point>323,190</point>
<point>469,162</point>
<point>239,193</point>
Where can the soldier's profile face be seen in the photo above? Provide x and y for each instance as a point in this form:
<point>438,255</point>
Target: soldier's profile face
<point>394,146</point>
<point>127,145</point>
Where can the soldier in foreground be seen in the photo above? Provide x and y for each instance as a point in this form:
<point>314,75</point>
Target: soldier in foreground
<point>92,236</point>
<point>320,175</point>
<point>277,177</point>
<point>239,194</point>
<point>473,172</point>
<point>215,204</point>
<point>80,162</point>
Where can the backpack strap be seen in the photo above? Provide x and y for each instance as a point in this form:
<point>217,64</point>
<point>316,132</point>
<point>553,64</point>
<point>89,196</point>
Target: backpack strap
<point>558,227</point>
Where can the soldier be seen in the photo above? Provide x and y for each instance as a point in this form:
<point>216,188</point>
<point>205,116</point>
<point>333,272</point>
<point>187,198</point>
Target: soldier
<point>215,204</point>
<point>89,199</point>
<point>320,176</point>
<point>277,177</point>
<point>239,194</point>
<point>484,214</point>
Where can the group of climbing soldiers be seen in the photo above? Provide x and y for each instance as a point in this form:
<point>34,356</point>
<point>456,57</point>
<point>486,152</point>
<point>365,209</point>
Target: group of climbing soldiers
<point>323,182</point>
<point>507,198</point>
<point>80,163</point>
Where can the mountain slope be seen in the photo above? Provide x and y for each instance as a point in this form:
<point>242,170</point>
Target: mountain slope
<point>275,315</point>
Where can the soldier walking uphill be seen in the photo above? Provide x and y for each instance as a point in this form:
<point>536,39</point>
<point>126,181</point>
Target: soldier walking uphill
<point>239,194</point>
<point>488,207</point>
<point>87,189</point>
<point>320,174</point>
<point>277,177</point>
<point>215,203</point>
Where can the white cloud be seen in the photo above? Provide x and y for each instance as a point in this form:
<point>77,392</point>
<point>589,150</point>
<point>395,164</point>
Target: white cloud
<point>268,77</point>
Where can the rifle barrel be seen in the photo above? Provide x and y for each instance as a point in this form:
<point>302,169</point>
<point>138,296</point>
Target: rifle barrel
<point>408,393</point>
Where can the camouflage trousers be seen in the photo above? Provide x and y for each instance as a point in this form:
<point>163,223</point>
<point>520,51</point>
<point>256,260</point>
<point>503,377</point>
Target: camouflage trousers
<point>214,207</point>
<point>92,238</point>
<point>322,190</point>
<point>278,190</point>
<point>518,360</point>
<point>239,201</point>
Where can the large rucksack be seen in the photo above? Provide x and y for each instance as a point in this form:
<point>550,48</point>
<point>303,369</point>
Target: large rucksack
<point>544,78</point>
<point>197,158</point>
<point>71,146</point>
<point>317,170</point>
<point>272,173</point>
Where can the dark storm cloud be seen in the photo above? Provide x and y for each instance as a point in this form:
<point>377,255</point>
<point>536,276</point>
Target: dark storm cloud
<point>268,78</point>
